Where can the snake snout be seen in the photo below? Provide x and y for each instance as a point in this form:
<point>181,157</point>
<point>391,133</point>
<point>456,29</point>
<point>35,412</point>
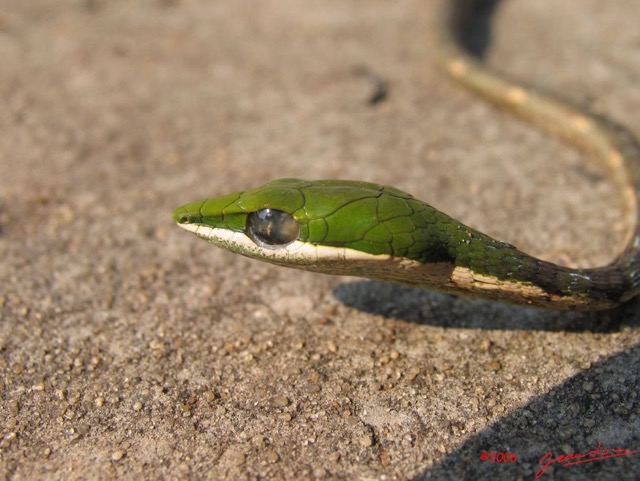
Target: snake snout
<point>186,215</point>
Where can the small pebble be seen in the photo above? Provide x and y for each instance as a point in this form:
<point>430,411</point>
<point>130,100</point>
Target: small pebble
<point>209,396</point>
<point>14,407</point>
<point>83,429</point>
<point>272,456</point>
<point>365,441</point>
<point>258,441</point>
<point>284,417</point>
<point>185,409</point>
<point>319,472</point>
<point>585,365</point>
<point>237,458</point>
<point>334,457</point>
<point>73,397</point>
<point>279,401</point>
<point>412,373</point>
<point>38,383</point>
<point>117,455</point>
<point>310,389</point>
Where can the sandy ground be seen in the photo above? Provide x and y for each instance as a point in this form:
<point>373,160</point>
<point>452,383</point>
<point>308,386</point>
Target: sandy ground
<point>130,349</point>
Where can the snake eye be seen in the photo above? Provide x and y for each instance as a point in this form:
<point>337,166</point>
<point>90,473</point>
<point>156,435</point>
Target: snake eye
<point>272,228</point>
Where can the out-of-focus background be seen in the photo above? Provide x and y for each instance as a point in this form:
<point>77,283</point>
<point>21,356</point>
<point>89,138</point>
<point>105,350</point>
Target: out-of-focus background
<point>130,349</point>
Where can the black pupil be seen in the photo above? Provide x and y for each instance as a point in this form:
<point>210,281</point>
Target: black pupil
<point>272,228</point>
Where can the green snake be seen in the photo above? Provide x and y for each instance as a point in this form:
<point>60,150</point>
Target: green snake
<point>368,230</point>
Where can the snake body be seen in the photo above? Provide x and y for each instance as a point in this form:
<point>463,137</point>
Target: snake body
<point>380,232</point>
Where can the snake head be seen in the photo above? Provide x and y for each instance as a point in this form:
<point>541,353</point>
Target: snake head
<point>309,223</point>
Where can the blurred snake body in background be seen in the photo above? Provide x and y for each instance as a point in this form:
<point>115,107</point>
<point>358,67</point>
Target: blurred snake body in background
<point>368,230</point>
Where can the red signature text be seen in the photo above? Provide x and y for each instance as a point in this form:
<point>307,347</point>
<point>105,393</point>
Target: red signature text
<point>498,457</point>
<point>566,460</point>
